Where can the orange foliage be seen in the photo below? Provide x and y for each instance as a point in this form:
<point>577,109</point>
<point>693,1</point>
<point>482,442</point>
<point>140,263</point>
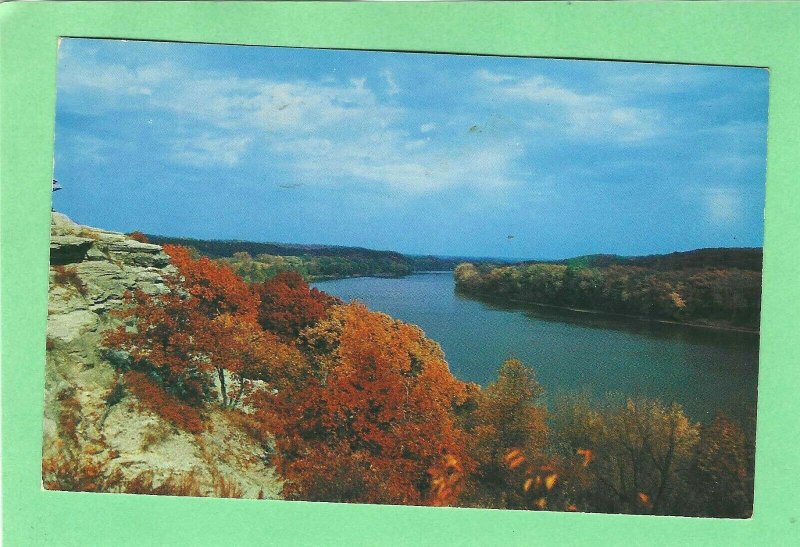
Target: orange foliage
<point>169,407</point>
<point>288,305</point>
<point>145,482</point>
<point>63,275</point>
<point>250,353</point>
<point>447,482</point>
<point>69,415</point>
<point>138,236</point>
<point>373,417</point>
<point>587,454</point>
<point>88,471</point>
<point>171,338</point>
<point>216,287</point>
<point>206,323</point>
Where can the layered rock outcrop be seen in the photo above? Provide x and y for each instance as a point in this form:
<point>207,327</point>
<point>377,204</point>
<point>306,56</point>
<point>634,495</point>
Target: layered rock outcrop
<point>88,409</point>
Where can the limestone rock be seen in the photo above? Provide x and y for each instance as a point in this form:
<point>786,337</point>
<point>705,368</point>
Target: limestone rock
<point>91,270</point>
<point>68,249</point>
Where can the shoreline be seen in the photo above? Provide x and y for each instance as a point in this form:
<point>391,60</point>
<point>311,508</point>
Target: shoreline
<point>376,276</point>
<point>641,318</point>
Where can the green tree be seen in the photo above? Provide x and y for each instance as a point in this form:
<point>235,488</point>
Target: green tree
<point>507,417</point>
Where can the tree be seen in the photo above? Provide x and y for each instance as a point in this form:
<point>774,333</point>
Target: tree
<point>216,287</point>
<point>723,477</point>
<point>641,452</point>
<point>167,337</point>
<point>248,353</point>
<point>506,418</point>
<point>373,413</point>
<point>139,236</point>
<point>195,329</point>
<point>288,304</point>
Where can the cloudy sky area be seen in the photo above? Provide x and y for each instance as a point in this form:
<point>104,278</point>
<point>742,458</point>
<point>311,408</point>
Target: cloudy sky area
<point>417,153</point>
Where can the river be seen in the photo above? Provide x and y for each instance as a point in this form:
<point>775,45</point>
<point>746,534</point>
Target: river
<point>704,370</point>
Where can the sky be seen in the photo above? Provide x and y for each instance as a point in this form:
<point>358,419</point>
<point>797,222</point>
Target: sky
<point>418,153</point>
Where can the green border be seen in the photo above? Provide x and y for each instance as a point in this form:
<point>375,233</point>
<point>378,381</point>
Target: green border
<point>751,34</point>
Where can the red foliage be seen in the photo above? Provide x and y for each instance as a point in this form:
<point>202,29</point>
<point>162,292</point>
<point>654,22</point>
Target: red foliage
<point>372,417</point>
<point>216,287</point>
<point>288,304</point>
<point>195,329</point>
<point>169,407</point>
<point>138,236</point>
<point>171,337</point>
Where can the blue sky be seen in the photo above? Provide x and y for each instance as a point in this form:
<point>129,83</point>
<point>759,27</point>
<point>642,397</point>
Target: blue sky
<point>420,153</point>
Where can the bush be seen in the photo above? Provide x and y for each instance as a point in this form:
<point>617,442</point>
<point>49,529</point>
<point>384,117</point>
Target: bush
<point>68,276</point>
<point>169,407</point>
<point>138,236</point>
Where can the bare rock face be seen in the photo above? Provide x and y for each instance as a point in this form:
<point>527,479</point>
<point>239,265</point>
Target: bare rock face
<point>67,249</point>
<point>86,405</point>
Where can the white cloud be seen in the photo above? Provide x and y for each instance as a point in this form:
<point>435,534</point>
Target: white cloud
<point>492,77</point>
<point>723,205</point>
<point>391,84</point>
<point>648,78</point>
<point>205,149</point>
<point>111,79</point>
<point>325,132</point>
<point>581,115</point>
<point>389,158</point>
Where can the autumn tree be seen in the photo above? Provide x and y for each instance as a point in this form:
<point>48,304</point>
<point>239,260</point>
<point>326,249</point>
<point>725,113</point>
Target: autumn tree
<point>372,414</point>
<point>216,287</point>
<point>249,353</point>
<point>160,334</point>
<point>206,323</point>
<point>641,453</point>
<point>723,470</point>
<point>507,418</point>
<point>288,304</point>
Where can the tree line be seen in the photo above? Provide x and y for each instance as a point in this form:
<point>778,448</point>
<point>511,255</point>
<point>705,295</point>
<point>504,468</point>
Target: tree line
<point>716,296</point>
<point>355,406</point>
<point>256,262</point>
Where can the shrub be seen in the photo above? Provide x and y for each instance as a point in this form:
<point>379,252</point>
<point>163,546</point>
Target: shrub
<point>68,276</point>
<point>138,236</point>
<point>169,407</point>
<point>69,416</point>
<point>85,472</point>
<point>186,484</point>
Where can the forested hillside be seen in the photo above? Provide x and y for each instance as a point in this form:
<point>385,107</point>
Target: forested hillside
<point>257,262</point>
<point>721,258</point>
<point>719,287</point>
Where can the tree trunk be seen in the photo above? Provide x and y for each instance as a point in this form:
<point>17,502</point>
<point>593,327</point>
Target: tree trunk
<point>221,374</point>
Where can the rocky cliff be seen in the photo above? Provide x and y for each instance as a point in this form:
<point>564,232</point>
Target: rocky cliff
<point>95,428</point>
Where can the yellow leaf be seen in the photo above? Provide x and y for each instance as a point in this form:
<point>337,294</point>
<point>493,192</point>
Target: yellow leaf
<point>550,481</point>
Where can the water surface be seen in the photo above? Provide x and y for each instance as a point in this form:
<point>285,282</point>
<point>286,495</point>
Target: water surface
<point>704,370</point>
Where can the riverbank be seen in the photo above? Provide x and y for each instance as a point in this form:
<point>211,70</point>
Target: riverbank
<point>318,279</point>
<point>703,369</point>
<point>484,297</point>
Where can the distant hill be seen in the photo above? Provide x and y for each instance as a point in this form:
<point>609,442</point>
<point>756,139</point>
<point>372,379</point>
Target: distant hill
<point>399,262</point>
<point>744,258</point>
<point>225,248</point>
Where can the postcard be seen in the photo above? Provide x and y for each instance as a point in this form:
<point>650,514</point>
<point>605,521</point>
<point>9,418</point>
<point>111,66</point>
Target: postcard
<point>405,278</point>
